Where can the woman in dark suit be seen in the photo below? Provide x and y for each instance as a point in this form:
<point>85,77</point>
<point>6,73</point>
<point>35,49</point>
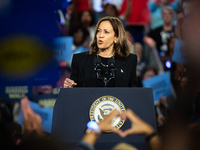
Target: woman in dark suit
<point>109,54</point>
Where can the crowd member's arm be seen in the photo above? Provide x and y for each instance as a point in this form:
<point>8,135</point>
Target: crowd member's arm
<point>152,5</point>
<point>138,126</point>
<point>149,41</point>
<point>91,5</point>
<point>178,27</point>
<point>175,5</point>
<point>32,122</point>
<point>127,13</point>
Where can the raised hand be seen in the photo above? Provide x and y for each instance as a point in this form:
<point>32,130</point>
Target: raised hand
<point>106,124</point>
<point>32,121</point>
<point>138,126</point>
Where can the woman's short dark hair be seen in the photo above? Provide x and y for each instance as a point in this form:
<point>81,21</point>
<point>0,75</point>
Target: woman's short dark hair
<point>123,45</point>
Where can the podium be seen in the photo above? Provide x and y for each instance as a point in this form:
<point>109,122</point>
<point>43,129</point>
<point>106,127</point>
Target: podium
<point>71,114</point>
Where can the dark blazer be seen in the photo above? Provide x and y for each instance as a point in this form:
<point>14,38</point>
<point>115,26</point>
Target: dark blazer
<point>84,75</point>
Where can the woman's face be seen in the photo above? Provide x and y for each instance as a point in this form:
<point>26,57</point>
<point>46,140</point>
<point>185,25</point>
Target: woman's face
<point>167,16</point>
<point>110,10</point>
<point>86,18</point>
<point>148,74</point>
<point>78,37</point>
<point>105,36</point>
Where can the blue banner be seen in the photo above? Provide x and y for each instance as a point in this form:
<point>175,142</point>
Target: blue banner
<point>45,113</point>
<point>179,54</point>
<point>160,84</point>
<point>11,93</point>
<point>63,48</point>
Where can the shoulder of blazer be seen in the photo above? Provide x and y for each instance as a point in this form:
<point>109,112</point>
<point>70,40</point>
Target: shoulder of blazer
<point>81,55</point>
<point>84,58</point>
<point>130,58</point>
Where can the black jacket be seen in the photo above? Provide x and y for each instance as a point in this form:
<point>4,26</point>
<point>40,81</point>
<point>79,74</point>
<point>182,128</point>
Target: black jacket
<point>84,75</point>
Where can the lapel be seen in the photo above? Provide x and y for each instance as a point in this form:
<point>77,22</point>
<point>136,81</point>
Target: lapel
<point>120,73</point>
<point>89,73</point>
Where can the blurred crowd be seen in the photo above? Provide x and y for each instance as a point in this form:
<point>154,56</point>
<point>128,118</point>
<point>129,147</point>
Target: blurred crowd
<point>155,29</point>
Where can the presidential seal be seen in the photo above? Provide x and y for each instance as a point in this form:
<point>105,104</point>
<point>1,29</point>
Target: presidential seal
<point>103,106</point>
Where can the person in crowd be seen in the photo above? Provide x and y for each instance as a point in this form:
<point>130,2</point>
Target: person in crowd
<point>87,20</point>
<point>130,37</point>
<point>64,18</point>
<point>81,39</point>
<point>149,72</point>
<point>155,9</point>
<point>137,17</point>
<point>110,44</point>
<point>109,9</point>
<point>158,38</point>
<point>138,50</point>
<point>166,104</point>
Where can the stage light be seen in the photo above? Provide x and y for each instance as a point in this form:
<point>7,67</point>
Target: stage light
<point>168,64</point>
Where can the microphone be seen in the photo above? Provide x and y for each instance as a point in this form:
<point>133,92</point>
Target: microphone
<point>112,68</point>
<point>97,67</point>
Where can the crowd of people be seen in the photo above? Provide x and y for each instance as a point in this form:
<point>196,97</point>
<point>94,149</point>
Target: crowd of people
<point>156,31</point>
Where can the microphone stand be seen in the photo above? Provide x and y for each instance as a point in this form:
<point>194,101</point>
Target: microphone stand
<point>97,69</point>
<point>112,69</point>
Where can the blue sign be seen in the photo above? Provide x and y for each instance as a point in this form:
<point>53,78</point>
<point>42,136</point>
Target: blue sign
<point>160,84</point>
<point>14,92</point>
<point>45,113</point>
<point>179,54</point>
<point>63,48</point>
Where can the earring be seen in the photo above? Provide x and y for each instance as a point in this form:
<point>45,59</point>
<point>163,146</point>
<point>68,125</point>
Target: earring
<point>115,42</point>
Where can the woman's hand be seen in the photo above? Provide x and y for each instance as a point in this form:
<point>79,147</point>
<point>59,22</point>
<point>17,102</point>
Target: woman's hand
<point>138,126</point>
<point>106,124</point>
<point>32,121</point>
<point>68,83</point>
